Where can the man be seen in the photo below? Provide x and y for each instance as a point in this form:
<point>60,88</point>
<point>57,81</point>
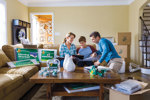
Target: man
<point>107,52</point>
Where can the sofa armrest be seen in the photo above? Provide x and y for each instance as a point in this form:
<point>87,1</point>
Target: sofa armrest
<point>9,50</point>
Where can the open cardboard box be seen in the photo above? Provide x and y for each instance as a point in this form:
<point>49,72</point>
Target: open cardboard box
<point>123,50</point>
<point>139,95</point>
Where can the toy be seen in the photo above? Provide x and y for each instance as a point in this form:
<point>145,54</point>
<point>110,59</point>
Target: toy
<point>53,64</point>
<point>94,71</point>
<point>54,73</point>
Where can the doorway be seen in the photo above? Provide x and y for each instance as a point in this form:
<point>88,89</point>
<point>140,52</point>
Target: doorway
<point>42,28</point>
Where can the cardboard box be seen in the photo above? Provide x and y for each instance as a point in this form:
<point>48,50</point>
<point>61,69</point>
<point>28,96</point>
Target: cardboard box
<point>123,50</point>
<point>124,38</point>
<point>115,95</point>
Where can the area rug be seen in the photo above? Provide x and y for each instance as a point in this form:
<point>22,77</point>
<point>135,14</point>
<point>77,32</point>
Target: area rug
<point>41,95</point>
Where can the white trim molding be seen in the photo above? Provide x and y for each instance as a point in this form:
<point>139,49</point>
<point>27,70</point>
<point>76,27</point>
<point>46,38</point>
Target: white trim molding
<point>3,38</point>
<point>64,3</point>
<point>34,37</point>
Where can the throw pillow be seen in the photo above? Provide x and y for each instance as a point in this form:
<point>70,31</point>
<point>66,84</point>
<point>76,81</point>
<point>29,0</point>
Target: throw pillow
<point>9,50</point>
<point>3,59</point>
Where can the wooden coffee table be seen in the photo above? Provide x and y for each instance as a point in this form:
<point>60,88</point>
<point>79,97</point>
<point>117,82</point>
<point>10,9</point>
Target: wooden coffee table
<point>78,76</point>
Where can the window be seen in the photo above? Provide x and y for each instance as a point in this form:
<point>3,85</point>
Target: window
<point>3,35</point>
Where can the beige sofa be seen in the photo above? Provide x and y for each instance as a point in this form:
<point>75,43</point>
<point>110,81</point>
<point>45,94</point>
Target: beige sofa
<point>14,83</point>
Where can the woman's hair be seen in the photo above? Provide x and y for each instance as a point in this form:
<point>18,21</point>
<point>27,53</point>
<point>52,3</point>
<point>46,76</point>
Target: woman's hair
<point>68,35</point>
<point>82,38</point>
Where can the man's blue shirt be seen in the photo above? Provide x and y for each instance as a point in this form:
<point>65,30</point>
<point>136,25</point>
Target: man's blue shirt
<point>106,50</point>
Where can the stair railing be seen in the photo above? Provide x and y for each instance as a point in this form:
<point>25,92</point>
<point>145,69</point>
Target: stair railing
<point>146,37</point>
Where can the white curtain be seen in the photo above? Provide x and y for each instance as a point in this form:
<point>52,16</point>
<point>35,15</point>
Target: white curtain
<point>3,33</point>
<point>34,30</point>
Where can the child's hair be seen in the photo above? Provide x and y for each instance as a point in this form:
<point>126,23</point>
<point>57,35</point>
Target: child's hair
<point>68,35</point>
<point>82,38</point>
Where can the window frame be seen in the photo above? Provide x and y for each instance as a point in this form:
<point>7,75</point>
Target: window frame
<point>3,2</point>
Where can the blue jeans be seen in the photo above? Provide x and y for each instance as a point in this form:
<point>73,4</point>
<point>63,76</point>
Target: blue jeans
<point>61,63</point>
<point>81,63</point>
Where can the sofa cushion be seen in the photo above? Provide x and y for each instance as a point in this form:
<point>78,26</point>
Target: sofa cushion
<point>40,46</point>
<point>9,50</point>
<point>52,46</point>
<point>26,71</point>
<point>3,59</point>
<point>9,82</point>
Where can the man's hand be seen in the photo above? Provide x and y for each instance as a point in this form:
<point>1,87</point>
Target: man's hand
<point>97,63</point>
<point>93,54</point>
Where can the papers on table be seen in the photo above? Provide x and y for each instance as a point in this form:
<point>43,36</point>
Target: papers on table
<point>99,68</point>
<point>92,58</point>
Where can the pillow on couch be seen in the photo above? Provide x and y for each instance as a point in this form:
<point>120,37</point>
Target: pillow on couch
<point>9,50</point>
<point>52,46</point>
<point>3,59</point>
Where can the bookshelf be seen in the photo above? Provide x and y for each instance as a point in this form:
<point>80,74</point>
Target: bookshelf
<point>17,26</point>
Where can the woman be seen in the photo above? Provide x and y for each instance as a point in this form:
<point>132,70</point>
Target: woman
<point>67,47</point>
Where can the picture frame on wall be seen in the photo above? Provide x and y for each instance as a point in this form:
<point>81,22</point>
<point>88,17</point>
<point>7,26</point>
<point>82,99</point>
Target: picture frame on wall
<point>17,26</point>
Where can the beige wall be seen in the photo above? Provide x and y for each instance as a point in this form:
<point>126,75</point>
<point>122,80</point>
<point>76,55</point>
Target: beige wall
<point>83,20</point>
<point>15,10</point>
<point>134,27</point>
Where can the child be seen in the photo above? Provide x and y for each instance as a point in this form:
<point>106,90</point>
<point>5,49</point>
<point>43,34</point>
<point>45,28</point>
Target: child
<point>86,51</point>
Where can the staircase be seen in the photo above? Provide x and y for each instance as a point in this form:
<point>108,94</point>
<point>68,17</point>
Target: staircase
<point>146,17</point>
<point>145,46</point>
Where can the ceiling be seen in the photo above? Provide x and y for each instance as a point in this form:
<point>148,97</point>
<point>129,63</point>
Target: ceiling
<point>63,3</point>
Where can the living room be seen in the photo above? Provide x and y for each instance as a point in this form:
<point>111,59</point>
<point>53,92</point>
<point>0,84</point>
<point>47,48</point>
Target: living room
<point>109,17</point>
<point>108,20</point>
